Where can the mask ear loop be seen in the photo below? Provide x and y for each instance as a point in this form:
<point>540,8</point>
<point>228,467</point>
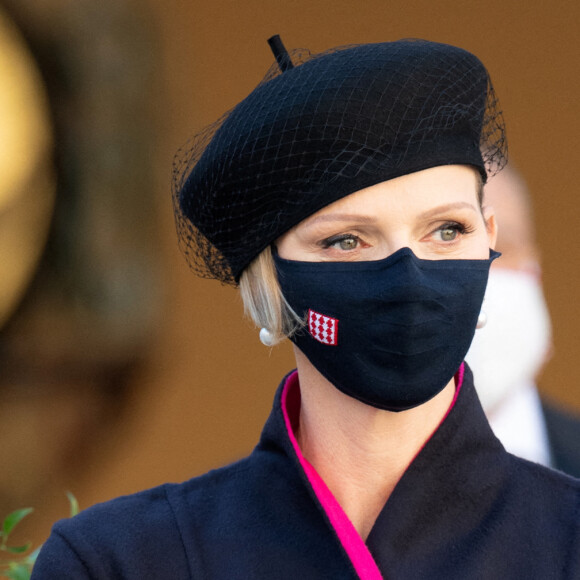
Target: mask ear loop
<point>482,318</point>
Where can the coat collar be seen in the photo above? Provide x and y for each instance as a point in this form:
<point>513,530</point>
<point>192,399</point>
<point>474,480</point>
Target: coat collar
<point>455,479</point>
<point>436,488</point>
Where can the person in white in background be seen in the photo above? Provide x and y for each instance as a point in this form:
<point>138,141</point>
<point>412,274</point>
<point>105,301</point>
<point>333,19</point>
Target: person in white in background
<point>508,353</point>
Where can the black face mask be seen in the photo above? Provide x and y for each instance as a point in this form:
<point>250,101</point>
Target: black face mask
<point>390,333</point>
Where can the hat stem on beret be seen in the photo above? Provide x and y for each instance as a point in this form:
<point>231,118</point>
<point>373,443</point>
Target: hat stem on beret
<point>282,57</point>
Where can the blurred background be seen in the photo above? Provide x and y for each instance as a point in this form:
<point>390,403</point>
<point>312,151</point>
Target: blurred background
<point>120,370</point>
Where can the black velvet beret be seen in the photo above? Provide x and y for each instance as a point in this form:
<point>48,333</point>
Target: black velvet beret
<point>337,123</point>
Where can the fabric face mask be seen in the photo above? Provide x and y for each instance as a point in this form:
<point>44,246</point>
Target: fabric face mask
<point>390,333</point>
<point>512,347</point>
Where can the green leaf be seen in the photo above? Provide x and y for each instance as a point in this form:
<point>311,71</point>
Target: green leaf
<point>18,549</point>
<point>31,558</point>
<point>13,519</point>
<point>18,572</point>
<point>74,504</point>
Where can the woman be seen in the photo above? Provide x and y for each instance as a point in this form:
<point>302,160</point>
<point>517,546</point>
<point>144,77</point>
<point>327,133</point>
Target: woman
<point>345,197</point>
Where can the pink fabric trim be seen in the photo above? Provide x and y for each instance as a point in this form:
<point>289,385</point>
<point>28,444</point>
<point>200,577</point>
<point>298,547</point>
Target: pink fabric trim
<point>458,384</point>
<point>356,549</point>
<point>353,544</point>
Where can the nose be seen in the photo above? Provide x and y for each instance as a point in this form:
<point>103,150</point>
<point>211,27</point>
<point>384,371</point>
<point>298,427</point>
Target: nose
<point>396,241</point>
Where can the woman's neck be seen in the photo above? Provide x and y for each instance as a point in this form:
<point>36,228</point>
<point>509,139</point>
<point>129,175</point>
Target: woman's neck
<point>359,451</point>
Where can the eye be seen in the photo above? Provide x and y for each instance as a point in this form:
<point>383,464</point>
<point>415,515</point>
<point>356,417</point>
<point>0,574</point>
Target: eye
<point>345,242</point>
<point>449,232</point>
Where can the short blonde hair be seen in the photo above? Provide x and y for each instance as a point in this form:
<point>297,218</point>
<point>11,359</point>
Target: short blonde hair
<point>263,300</point>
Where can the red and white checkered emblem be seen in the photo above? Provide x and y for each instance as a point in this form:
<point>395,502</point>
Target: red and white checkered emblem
<point>324,329</point>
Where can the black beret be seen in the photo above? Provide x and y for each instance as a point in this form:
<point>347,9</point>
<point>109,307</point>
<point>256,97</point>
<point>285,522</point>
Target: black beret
<point>339,122</point>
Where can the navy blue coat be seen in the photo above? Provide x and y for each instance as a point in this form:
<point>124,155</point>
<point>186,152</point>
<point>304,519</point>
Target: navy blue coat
<point>464,509</point>
<point>563,430</point>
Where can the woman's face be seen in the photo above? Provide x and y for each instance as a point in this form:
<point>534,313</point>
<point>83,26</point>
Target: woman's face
<point>435,212</point>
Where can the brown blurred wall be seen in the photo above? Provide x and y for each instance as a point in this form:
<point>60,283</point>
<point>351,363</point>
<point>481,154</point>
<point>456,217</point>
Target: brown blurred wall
<point>208,386</point>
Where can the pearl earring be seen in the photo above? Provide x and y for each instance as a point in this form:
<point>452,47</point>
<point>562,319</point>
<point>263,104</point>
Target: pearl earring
<point>481,320</point>
<point>266,337</point>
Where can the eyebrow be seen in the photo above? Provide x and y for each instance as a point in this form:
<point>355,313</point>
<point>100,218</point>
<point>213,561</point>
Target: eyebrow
<point>447,207</point>
<point>343,217</point>
<point>346,217</point>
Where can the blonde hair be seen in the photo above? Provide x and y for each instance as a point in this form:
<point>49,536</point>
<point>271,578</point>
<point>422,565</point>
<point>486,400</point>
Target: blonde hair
<point>263,300</point>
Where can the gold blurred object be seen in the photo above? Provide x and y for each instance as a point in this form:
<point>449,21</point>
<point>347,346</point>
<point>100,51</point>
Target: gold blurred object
<point>27,180</point>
